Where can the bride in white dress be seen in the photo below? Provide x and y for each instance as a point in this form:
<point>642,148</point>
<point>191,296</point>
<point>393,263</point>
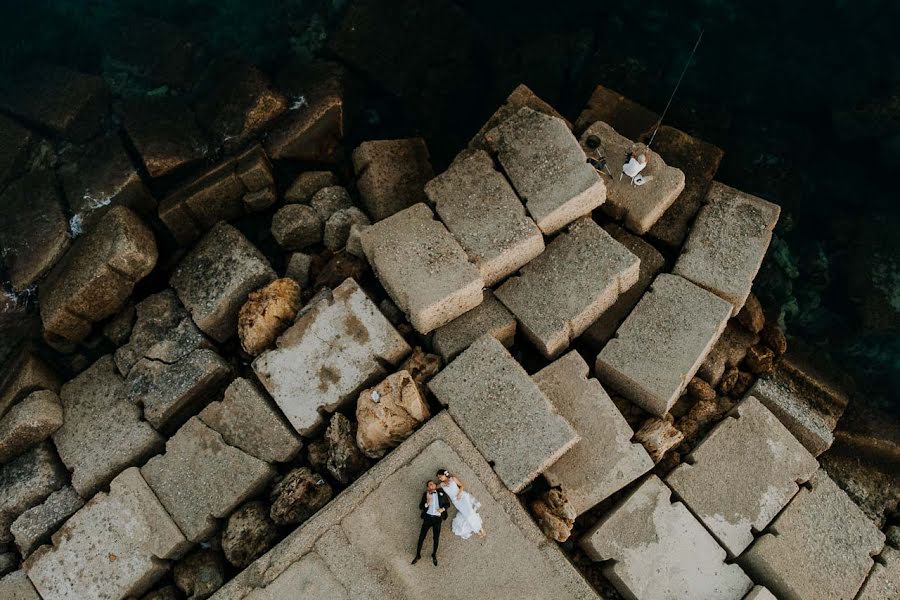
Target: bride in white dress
<point>467,520</point>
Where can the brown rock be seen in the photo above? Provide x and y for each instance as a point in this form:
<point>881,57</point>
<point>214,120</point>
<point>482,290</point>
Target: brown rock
<point>752,316</point>
<point>296,226</point>
<point>760,359</point>
<point>307,184</point>
<point>701,390</point>
<point>118,329</point>
<point>388,413</point>
<point>29,422</point>
<point>622,114</point>
<point>169,592</point>
<point>317,454</point>
<point>391,175</point>
<point>267,313</point>
<point>338,268</point>
<point>298,496</point>
<point>741,384</point>
<point>25,373</point>
<point>728,381</point>
<point>773,337</point>
<point>658,436</point>
<point>345,460</point>
<point>421,365</point>
<point>700,415</point>
<point>554,515</point>
<point>200,574</point>
<point>729,351</point>
<point>248,534</point>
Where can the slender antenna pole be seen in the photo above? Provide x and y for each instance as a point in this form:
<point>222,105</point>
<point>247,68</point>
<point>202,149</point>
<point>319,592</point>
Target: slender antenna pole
<point>674,91</point>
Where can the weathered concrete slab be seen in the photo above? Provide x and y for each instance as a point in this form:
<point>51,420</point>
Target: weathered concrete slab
<point>339,345</point>
<point>422,267</point>
<point>391,175</point>
<point>25,373</point>
<point>662,343</point>
<point>102,432</point>
<point>659,550</point>
<point>360,544</point>
<point>200,478</point>
<point>29,422</point>
<point>483,213</point>
<point>820,546</point>
<point>215,278</point>
<point>639,207</point>
<point>95,278</point>
<point>547,168</point>
<point>624,115</point>
<point>605,460</point>
<point>34,233</point>
<point>727,243</point>
<point>17,586</point>
<point>503,412</point>
<point>117,545</point>
<point>560,293</point>
<point>26,481</point>
<point>652,262</point>
<point>488,317</point>
<point>520,97</point>
<point>35,526</point>
<point>742,474</point>
<point>884,579</point>
<point>248,420</point>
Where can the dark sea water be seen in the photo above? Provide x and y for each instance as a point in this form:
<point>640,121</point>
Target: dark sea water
<point>804,98</point>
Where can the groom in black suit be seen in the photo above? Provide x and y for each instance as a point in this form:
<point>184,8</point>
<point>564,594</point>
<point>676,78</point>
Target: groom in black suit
<point>434,505</point>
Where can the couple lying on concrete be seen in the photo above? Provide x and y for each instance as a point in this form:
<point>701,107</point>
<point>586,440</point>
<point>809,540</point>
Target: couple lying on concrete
<point>434,505</point>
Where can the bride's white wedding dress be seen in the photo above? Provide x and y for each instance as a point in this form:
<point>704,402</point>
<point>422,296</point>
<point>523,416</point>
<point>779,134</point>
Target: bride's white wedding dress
<point>467,520</point>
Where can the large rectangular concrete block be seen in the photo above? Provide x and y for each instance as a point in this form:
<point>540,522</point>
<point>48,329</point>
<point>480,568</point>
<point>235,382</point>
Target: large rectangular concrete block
<point>742,474</point>
<point>820,546</point>
<point>605,460</point>
<point>391,175</point>
<point>26,481</point>
<point>547,168</point>
<point>340,344</point>
<point>624,115</point>
<point>521,96</point>
<point>727,243</point>
<point>483,213</point>
<point>662,343</point>
<point>884,578</point>
<point>35,526</point>
<point>25,373</point>
<point>560,293</point>
<point>658,550</point>
<point>422,267</point>
<point>17,586</point>
<point>504,413</point>
<point>488,317</point>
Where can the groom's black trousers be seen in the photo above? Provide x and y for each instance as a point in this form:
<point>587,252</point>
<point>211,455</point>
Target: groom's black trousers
<point>433,523</point>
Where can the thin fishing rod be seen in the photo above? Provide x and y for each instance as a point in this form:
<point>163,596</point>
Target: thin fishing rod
<point>675,91</point>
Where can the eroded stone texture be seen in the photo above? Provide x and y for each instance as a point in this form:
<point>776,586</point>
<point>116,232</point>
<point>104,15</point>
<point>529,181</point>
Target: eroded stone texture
<point>483,213</point>
<point>298,268</point>
<point>658,550</point>
<point>200,478</point>
<point>658,436</point>
<point>29,422</point>
<point>345,460</point>
<point>341,225</point>
<point>521,96</point>
<point>547,168</point>
<point>117,545</point>
<point>742,474</point>
<point>329,200</point>
<point>488,317</point>
<point>26,481</point>
<point>298,496</point>
<point>605,460</point>
<point>388,413</point>
<point>884,579</point>
<point>391,175</point>
<point>247,419</point>
<point>727,353</point>
<point>96,277</point>
<point>267,313</point>
<point>727,243</point>
<point>215,278</point>
<point>199,574</point>
<point>35,525</point>
<point>554,515</point>
<point>296,226</point>
<point>820,546</point>
<point>339,345</point>
<point>307,184</point>
<point>25,373</point>
<point>624,115</point>
<point>248,533</point>
<point>503,412</point>
<point>560,293</point>
<point>102,432</point>
<point>662,343</point>
<point>422,267</point>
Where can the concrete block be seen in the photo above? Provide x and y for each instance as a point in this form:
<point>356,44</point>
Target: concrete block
<point>25,373</point>
<point>340,344</point>
<point>98,274</point>
<point>391,175</point>
<point>35,525</point>
<point>520,97</point>
<point>639,207</point>
<point>307,184</point>
<point>29,422</point>
<point>658,550</point>
<point>605,460</point>
<point>248,420</point>
<point>884,578</point>
<point>560,293</point>
<point>26,481</point>
<point>820,546</point>
<point>215,278</point>
<point>624,115</point>
<point>760,593</point>
<point>742,474</point>
<point>489,317</point>
<point>504,413</point>
<point>296,226</point>
<point>117,545</point>
<point>483,213</point>
<point>727,243</point>
<point>652,262</point>
<point>17,586</point>
<point>102,432</point>
<point>422,267</point>
<point>547,168</point>
<point>200,478</point>
<point>662,343</point>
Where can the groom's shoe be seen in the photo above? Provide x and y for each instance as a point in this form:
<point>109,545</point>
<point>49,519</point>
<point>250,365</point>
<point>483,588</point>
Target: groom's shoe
<point>415,560</point>
<point>434,559</point>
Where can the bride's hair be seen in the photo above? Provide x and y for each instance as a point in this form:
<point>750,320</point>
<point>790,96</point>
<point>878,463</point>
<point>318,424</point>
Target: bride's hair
<point>443,472</point>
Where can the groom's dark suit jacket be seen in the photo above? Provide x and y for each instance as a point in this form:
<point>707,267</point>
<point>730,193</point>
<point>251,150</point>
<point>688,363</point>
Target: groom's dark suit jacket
<point>443,502</point>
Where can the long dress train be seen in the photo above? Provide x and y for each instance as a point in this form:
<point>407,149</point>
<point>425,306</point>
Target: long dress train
<point>467,520</point>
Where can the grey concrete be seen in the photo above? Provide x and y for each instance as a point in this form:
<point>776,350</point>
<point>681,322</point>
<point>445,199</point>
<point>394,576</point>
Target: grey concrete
<point>117,545</point>
<point>662,343</point>
<point>17,586</point>
<point>422,267</point>
<point>336,233</point>
<point>339,345</point>
<point>359,545</point>
<point>25,373</point>
<point>760,593</point>
<point>488,317</point>
<point>820,546</point>
<point>557,296</point>
<point>520,97</point>
<point>298,265</point>
<point>547,168</point>
<point>605,460</point>
<point>296,226</point>
<point>504,413</point>
<point>483,213</point>
<point>884,579</point>
<point>26,481</point>
<point>35,526</point>
<point>658,550</point>
<point>29,422</point>
<point>391,175</point>
<point>329,200</point>
<point>307,184</point>
<point>742,474</point>
<point>727,243</point>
